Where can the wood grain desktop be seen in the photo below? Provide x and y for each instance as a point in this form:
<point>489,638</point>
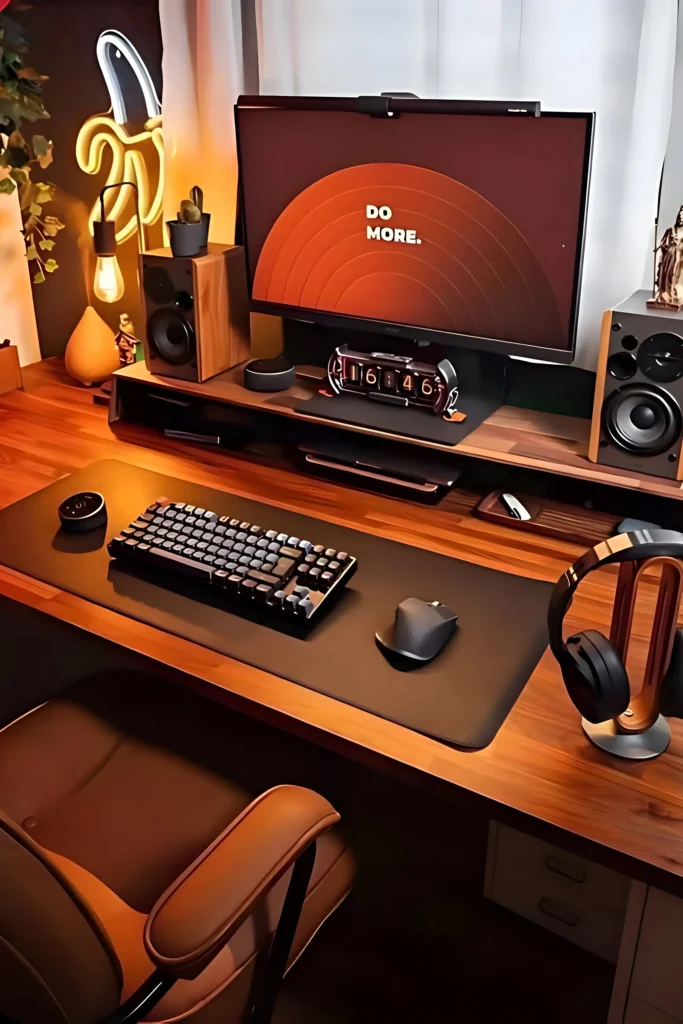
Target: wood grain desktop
<point>539,774</point>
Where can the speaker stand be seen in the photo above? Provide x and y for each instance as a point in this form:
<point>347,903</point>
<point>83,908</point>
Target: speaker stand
<point>635,746</point>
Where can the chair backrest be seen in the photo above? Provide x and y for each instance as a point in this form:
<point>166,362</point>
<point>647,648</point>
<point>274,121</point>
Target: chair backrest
<point>56,963</point>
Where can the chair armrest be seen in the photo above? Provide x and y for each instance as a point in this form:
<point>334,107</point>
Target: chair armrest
<point>204,907</point>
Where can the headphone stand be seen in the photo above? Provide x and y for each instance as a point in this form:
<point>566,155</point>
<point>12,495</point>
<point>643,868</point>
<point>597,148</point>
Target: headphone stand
<point>636,746</point>
<point>641,732</point>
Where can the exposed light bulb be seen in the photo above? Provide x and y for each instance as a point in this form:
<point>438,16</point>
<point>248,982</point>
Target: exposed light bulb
<point>108,279</point>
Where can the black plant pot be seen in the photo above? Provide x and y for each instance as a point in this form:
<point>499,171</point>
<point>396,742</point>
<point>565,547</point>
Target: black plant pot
<point>186,239</point>
<point>206,221</point>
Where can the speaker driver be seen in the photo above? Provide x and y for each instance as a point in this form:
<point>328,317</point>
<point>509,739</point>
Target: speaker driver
<point>172,337</point>
<point>644,419</point>
<point>661,357</point>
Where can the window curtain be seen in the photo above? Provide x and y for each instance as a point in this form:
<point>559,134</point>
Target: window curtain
<point>203,72</point>
<point>613,56</point>
<point>17,315</point>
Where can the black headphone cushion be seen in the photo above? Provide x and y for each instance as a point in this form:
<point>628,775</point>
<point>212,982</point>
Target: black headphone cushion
<point>596,680</point>
<point>672,686</point>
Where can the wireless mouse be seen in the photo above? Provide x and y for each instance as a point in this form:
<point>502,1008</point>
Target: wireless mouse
<point>420,629</point>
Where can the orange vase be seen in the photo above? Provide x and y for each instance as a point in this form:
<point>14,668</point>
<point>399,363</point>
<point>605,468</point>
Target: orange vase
<point>91,354</point>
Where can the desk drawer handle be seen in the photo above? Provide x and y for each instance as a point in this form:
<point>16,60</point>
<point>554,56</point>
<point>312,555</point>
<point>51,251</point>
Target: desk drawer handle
<point>551,909</point>
<point>560,867</point>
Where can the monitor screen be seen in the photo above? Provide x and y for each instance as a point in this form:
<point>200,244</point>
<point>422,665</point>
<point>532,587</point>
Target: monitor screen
<point>436,224</point>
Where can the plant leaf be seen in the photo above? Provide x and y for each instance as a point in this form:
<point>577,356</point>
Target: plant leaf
<point>46,192</point>
<point>51,266</point>
<point>31,75</point>
<point>7,187</point>
<point>46,243</point>
<point>32,253</point>
<point>21,177</point>
<point>39,277</point>
<point>36,210</point>
<point>40,145</point>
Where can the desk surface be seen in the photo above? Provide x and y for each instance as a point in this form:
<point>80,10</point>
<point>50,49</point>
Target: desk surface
<point>540,773</point>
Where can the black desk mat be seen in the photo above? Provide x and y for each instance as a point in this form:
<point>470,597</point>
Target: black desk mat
<point>462,697</point>
<point>392,419</point>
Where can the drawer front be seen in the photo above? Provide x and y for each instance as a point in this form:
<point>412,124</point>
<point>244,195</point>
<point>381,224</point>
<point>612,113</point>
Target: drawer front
<point>566,894</point>
<point>597,929</point>
<point>657,977</point>
<point>574,877</point>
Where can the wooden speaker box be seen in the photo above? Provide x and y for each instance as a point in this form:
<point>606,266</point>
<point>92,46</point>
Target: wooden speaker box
<point>196,312</point>
<point>637,420</point>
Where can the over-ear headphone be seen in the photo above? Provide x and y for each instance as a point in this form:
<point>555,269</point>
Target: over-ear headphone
<point>592,669</point>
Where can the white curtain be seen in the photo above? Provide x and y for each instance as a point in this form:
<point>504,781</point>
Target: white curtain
<point>612,56</point>
<point>17,315</point>
<point>615,57</point>
<point>203,73</point>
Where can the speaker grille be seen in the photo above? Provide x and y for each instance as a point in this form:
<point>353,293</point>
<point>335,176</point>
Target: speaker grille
<point>641,418</point>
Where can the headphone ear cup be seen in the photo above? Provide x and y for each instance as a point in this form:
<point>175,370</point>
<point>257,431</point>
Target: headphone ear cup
<point>596,679</point>
<point>672,686</point>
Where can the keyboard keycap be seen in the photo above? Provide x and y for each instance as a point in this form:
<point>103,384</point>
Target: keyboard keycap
<point>305,608</point>
<point>263,577</point>
<point>342,556</point>
<point>327,579</point>
<point>305,545</point>
<point>288,552</point>
<point>263,592</point>
<point>282,537</point>
<point>284,568</point>
<point>245,526</point>
<point>291,602</point>
<point>182,564</point>
<point>330,553</point>
<point>271,534</point>
<point>334,566</point>
<point>248,587</point>
<point>293,542</point>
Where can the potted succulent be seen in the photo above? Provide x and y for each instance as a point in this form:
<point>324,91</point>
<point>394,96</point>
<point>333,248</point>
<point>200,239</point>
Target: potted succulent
<point>189,234</point>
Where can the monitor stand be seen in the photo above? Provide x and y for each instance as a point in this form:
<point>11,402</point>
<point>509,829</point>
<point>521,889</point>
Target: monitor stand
<point>482,379</point>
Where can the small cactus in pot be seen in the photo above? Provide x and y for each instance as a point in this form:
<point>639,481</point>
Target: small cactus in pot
<point>189,234</point>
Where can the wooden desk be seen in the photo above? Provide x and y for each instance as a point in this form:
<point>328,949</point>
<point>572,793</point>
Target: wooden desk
<point>540,773</point>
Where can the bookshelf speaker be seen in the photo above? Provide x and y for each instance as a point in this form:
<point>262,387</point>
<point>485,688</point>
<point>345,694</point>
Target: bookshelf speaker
<point>196,312</point>
<point>637,420</point>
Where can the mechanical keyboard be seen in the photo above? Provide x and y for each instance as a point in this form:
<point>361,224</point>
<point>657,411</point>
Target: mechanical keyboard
<point>247,564</point>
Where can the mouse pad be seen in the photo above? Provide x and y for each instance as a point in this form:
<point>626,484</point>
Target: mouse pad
<point>462,697</point>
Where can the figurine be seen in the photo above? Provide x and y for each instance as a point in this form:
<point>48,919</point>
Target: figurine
<point>126,340</point>
<point>669,276</point>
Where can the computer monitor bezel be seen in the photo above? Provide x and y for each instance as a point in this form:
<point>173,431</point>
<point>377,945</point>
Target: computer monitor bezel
<point>392,329</point>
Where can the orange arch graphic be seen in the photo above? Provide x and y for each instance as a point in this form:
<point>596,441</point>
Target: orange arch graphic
<point>474,272</point>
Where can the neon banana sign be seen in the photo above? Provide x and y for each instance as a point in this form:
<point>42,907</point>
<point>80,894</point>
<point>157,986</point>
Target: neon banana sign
<point>108,132</point>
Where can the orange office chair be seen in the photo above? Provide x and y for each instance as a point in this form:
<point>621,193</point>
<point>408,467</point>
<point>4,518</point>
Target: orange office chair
<point>138,885</point>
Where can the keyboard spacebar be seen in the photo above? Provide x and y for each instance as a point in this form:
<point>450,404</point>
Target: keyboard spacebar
<point>185,565</point>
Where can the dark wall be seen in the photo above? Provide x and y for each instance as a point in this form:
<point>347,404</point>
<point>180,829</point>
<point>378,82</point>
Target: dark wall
<point>62,35</point>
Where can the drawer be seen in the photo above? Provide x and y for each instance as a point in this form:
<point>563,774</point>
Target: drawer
<point>657,978</point>
<point>638,1012</point>
<point>568,895</point>
<point>572,876</point>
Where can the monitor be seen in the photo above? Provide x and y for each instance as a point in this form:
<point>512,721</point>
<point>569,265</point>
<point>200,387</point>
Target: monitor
<point>417,220</point>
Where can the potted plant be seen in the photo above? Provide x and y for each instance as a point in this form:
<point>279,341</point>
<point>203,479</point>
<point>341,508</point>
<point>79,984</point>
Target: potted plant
<point>21,100</point>
<point>189,234</point>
